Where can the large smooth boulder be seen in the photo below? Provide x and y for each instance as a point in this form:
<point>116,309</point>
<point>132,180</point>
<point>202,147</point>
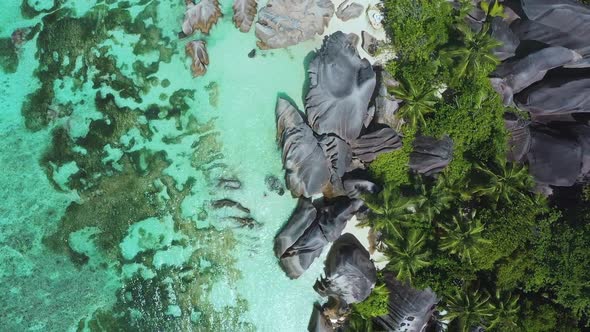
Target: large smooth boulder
<point>283,23</point>
<point>349,10</point>
<point>431,155</point>
<point>554,158</point>
<point>308,171</point>
<point>201,16</point>
<point>560,95</point>
<point>410,309</point>
<point>197,50</point>
<point>244,13</point>
<point>521,73</point>
<point>350,273</point>
<point>309,229</point>
<point>554,36</point>
<point>500,30</point>
<point>369,43</point>
<point>341,86</point>
<point>367,147</point>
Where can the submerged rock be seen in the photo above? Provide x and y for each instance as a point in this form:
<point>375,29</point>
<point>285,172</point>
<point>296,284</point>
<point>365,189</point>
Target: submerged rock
<point>430,155</point>
<point>410,309</point>
<point>341,86</point>
<point>347,10</point>
<point>197,50</point>
<point>350,273</point>
<point>274,184</point>
<point>283,23</point>
<point>244,13</point>
<point>226,202</point>
<point>201,16</point>
<point>308,172</point>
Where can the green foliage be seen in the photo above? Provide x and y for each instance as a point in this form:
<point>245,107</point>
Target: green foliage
<point>417,27</point>
<point>407,253</point>
<point>505,310</point>
<point>375,305</point>
<point>505,180</point>
<point>463,236</point>
<point>418,101</point>
<point>468,309</point>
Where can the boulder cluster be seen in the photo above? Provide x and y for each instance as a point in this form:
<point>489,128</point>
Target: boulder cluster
<point>325,153</point>
<point>325,150</point>
<point>546,73</point>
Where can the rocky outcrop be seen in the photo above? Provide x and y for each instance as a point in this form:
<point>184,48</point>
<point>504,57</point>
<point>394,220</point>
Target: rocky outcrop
<point>283,23</point>
<point>369,43</point>
<point>521,73</point>
<point>410,309</point>
<point>308,171</point>
<point>500,30</point>
<point>350,275</point>
<point>197,50</point>
<point>341,86</point>
<point>201,16</point>
<point>309,229</point>
<point>347,10</point>
<point>367,147</point>
<point>244,13</point>
<point>560,95</point>
<point>430,155</point>
<point>558,153</point>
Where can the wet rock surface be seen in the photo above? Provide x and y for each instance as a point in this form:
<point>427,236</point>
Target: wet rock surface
<point>197,50</point>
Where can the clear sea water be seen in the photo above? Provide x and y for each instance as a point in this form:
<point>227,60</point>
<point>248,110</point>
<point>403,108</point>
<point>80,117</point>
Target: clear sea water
<point>135,245</point>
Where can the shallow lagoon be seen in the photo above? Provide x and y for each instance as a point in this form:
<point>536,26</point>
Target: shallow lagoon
<point>139,242</point>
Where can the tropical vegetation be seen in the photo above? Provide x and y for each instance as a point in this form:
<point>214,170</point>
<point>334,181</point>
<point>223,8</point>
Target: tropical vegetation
<point>498,255</point>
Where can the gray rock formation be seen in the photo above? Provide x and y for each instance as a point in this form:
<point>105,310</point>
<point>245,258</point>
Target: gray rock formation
<point>308,172</point>
<point>283,23</point>
<point>367,147</point>
<point>197,50</point>
<point>318,322</point>
<point>244,13</point>
<point>519,142</point>
<point>501,31</point>
<point>341,86</point>
<point>410,309</point>
<point>309,229</point>
<point>554,158</point>
<point>523,72</point>
<point>370,44</point>
<point>431,155</point>
<point>350,273</point>
<point>561,95</point>
<point>355,188</point>
<point>347,10</point>
<point>201,16</point>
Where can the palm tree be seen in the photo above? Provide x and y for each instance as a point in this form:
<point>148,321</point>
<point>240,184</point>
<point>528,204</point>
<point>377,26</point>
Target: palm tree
<point>468,309</point>
<point>505,311</point>
<point>440,196</point>
<point>390,209</point>
<point>417,101</point>
<point>463,236</point>
<point>475,51</point>
<point>506,180</point>
<point>407,253</point>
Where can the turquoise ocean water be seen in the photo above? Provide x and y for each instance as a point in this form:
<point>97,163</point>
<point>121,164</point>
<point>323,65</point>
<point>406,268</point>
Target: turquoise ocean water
<point>111,154</point>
